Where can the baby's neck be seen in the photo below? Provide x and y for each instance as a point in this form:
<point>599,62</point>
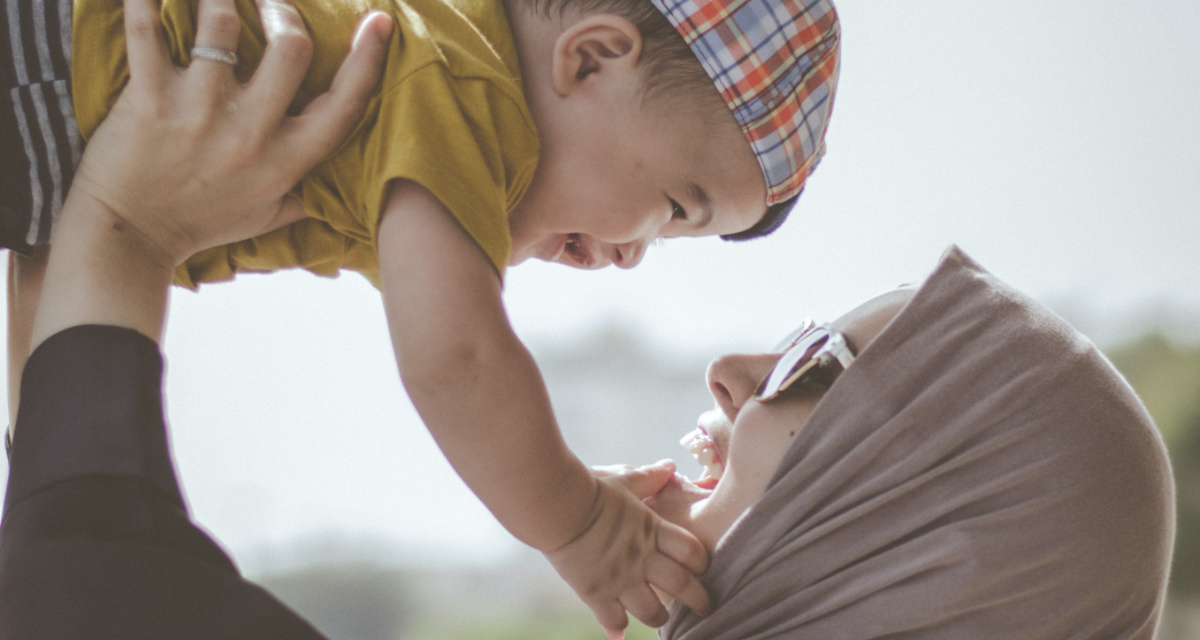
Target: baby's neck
<point>533,36</point>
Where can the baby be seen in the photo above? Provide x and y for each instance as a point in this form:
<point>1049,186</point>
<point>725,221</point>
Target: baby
<point>572,131</point>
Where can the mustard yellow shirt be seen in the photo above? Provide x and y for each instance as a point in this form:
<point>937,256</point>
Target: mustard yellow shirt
<point>450,115</point>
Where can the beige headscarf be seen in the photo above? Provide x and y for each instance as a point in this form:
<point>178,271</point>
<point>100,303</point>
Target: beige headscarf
<point>981,471</point>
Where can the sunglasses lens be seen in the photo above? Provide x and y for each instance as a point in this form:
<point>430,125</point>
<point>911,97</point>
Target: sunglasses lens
<point>805,353</point>
<point>793,364</point>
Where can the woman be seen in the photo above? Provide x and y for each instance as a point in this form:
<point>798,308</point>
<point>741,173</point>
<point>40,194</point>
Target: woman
<point>978,471</point>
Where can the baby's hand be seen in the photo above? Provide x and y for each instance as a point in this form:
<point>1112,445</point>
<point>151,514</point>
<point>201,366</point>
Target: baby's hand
<point>627,548</point>
<point>675,499</point>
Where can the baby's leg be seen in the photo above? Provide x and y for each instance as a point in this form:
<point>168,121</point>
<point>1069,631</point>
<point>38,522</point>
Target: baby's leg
<point>25,275</point>
<point>40,146</point>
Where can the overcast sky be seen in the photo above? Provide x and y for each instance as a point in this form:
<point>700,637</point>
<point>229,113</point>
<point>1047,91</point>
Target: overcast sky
<point>1057,143</point>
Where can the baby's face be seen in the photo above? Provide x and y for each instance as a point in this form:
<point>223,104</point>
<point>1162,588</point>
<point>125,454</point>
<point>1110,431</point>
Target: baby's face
<point>621,177</point>
<point>749,437</point>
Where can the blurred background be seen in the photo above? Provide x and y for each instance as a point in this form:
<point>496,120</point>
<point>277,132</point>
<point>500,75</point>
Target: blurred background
<point>1056,143</point>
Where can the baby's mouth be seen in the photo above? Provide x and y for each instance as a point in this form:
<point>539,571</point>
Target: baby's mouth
<point>577,251</point>
<point>701,445</point>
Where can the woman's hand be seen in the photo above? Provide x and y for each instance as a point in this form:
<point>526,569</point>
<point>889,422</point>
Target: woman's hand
<point>189,158</point>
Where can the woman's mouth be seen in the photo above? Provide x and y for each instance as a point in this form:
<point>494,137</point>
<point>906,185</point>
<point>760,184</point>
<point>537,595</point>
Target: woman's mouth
<point>701,445</point>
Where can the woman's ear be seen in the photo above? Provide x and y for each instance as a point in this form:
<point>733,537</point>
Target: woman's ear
<point>592,47</point>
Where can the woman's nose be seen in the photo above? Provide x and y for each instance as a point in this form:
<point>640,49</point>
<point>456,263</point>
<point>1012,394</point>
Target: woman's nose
<point>629,254</point>
<point>733,379</point>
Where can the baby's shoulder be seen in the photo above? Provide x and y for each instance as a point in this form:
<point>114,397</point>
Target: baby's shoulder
<point>472,40</point>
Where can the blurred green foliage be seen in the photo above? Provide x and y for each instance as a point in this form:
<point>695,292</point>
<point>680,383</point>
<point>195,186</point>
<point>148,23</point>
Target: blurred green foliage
<point>1185,458</point>
<point>363,602</point>
<point>1167,378</point>
<point>558,627</point>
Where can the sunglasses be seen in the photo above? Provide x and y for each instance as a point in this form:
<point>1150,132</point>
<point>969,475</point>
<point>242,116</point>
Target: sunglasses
<point>814,354</point>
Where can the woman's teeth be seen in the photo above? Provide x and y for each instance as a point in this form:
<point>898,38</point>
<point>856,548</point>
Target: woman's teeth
<point>700,444</point>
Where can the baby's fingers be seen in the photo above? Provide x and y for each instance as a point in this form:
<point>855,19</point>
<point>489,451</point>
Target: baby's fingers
<point>611,615</point>
<point>647,481</point>
<point>676,581</point>
<point>610,470</point>
<point>645,606</point>
<point>680,545</point>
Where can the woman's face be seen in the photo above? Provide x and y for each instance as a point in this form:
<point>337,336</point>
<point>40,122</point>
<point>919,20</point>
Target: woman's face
<point>749,436</point>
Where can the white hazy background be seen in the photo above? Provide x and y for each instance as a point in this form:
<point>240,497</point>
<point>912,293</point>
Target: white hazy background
<point>1057,143</point>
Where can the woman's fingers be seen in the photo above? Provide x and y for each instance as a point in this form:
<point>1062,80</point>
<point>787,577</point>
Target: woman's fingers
<point>328,119</point>
<point>149,60</point>
<point>285,61</point>
<point>218,27</point>
<point>290,210</point>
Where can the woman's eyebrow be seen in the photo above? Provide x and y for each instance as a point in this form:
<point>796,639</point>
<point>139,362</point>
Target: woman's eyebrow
<point>698,194</point>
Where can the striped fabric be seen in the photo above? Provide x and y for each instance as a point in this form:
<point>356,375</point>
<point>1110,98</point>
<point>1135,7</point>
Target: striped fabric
<point>39,140</point>
<point>776,64</point>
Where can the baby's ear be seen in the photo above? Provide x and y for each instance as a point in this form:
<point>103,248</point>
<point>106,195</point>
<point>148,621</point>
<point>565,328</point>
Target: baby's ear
<point>595,45</point>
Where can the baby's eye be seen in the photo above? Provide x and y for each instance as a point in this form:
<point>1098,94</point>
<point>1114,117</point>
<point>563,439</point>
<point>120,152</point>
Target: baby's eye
<point>677,211</point>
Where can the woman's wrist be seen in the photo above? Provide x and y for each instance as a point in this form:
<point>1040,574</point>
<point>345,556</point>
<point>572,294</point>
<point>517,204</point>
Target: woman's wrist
<point>145,228</point>
<point>103,270</point>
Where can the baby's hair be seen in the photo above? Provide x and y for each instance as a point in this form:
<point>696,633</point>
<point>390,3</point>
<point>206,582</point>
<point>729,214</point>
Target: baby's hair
<point>669,66</point>
<point>669,69</point>
<point>771,221</point>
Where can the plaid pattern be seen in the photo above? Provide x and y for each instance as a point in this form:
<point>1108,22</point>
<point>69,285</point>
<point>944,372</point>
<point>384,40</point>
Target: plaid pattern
<point>776,64</point>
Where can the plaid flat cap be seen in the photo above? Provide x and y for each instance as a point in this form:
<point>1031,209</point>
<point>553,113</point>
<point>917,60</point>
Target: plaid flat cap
<point>775,62</point>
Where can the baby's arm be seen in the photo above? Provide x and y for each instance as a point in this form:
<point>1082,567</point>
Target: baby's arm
<point>481,395</point>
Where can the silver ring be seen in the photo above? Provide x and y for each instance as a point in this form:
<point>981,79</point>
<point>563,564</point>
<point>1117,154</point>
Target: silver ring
<point>216,55</point>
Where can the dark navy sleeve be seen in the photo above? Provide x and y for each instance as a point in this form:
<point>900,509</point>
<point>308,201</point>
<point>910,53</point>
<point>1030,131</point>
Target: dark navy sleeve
<point>91,397</point>
<point>95,540</point>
